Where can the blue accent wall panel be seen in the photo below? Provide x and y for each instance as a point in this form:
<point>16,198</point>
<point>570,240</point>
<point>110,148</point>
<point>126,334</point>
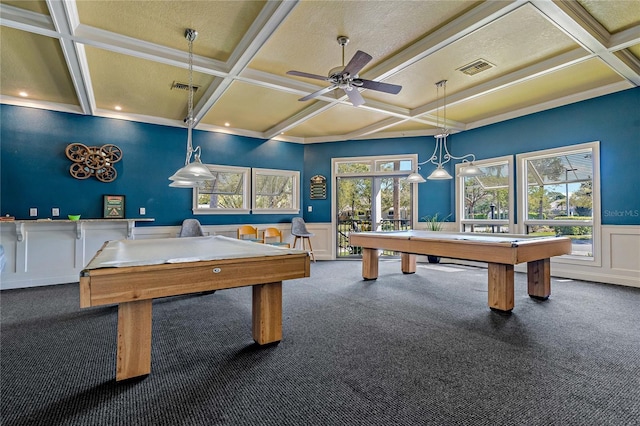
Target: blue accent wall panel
<point>35,170</point>
<point>434,196</point>
<point>614,120</point>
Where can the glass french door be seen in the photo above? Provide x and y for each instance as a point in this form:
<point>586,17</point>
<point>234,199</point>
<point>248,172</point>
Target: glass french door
<point>370,204</point>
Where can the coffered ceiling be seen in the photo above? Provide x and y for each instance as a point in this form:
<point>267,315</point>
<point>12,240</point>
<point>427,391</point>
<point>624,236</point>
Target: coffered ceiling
<point>88,57</point>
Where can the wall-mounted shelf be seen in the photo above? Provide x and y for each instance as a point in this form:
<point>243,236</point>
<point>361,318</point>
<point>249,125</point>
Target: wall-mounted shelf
<point>131,223</point>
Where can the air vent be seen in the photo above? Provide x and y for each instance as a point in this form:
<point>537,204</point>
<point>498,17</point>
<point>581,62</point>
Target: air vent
<point>183,86</point>
<point>476,67</point>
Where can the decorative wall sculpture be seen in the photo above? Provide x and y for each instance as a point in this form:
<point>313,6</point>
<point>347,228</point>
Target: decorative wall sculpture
<point>93,161</point>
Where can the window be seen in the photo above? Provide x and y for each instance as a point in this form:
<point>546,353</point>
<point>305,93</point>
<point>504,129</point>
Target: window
<point>228,193</point>
<point>485,202</point>
<point>561,195</point>
<point>275,191</point>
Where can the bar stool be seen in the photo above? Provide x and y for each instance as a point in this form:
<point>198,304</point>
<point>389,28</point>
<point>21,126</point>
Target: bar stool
<point>299,230</point>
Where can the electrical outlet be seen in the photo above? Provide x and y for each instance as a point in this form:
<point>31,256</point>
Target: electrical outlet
<point>33,211</point>
<point>55,211</point>
<point>143,211</point>
<point>309,208</point>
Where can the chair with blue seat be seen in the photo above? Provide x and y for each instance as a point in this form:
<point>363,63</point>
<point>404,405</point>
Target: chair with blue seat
<point>191,228</point>
<point>273,236</point>
<point>299,231</point>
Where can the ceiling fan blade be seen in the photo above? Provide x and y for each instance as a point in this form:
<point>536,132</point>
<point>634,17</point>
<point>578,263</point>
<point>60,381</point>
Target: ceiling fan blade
<point>307,75</point>
<point>318,93</point>
<point>354,96</point>
<point>359,60</point>
<point>379,86</point>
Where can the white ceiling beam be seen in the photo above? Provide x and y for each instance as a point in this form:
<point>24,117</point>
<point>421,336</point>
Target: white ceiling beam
<point>374,128</point>
<point>577,23</point>
<point>566,100</point>
<point>64,16</point>
<point>297,119</point>
<point>552,64</point>
<point>269,19</point>
<point>443,37</point>
<point>26,20</point>
<point>49,106</point>
<point>455,30</point>
<point>118,43</point>
<point>625,38</point>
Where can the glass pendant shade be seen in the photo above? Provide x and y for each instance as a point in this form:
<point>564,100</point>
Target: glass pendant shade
<point>184,184</point>
<point>470,170</point>
<point>415,177</point>
<point>194,172</point>
<point>439,174</point>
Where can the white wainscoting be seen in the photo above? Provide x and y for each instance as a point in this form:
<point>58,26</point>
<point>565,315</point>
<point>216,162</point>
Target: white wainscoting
<point>43,252</point>
<point>55,252</point>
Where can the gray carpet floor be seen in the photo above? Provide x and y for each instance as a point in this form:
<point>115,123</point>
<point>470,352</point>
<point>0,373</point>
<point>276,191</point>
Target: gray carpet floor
<point>421,349</point>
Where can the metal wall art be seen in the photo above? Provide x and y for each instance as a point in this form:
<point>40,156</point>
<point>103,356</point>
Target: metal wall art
<point>95,161</point>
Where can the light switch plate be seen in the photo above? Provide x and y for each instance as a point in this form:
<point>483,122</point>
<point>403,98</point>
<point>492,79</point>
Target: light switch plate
<point>309,208</point>
<point>33,211</point>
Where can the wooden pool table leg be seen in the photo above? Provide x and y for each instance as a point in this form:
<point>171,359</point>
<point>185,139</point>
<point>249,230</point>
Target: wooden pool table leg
<point>369,264</point>
<point>134,339</point>
<point>408,263</point>
<point>539,278</point>
<point>501,278</point>
<point>267,313</point>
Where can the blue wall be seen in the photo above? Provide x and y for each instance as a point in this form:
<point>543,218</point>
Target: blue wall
<point>614,120</point>
<point>34,170</point>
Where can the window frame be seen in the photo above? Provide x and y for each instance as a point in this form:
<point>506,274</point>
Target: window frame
<point>215,168</point>
<point>460,205</point>
<point>295,192</point>
<point>596,219</point>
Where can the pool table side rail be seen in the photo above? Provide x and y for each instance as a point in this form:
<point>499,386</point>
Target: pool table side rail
<point>508,252</point>
<point>116,285</point>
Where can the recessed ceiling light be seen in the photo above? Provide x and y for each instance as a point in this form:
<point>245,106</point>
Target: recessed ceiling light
<point>24,94</point>
<point>118,108</point>
<point>227,124</point>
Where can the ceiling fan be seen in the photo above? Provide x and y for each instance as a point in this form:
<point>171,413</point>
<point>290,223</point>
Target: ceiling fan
<point>346,78</point>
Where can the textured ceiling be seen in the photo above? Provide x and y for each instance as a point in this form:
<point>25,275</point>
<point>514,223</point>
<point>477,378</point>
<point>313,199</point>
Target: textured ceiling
<point>88,57</point>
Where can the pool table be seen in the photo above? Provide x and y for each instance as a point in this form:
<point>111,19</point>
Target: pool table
<point>131,273</point>
<point>500,251</point>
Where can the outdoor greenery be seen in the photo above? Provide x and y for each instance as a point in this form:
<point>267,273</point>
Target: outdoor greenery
<point>355,195</point>
<point>487,195</point>
<point>274,192</point>
<point>225,191</point>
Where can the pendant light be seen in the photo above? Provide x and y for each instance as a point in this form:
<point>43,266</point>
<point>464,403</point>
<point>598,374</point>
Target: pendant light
<point>193,173</point>
<point>441,155</point>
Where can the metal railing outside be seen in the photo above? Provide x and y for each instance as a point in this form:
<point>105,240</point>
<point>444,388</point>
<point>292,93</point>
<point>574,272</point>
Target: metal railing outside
<point>346,227</point>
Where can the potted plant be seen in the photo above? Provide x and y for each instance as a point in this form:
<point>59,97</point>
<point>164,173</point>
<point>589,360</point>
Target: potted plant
<point>434,223</point>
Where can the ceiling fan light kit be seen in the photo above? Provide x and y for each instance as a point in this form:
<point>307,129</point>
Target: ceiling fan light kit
<point>346,78</point>
<point>192,174</point>
<point>441,155</point>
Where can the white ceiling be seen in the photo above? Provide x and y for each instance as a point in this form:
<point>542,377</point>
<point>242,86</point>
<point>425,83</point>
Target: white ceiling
<point>86,57</point>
